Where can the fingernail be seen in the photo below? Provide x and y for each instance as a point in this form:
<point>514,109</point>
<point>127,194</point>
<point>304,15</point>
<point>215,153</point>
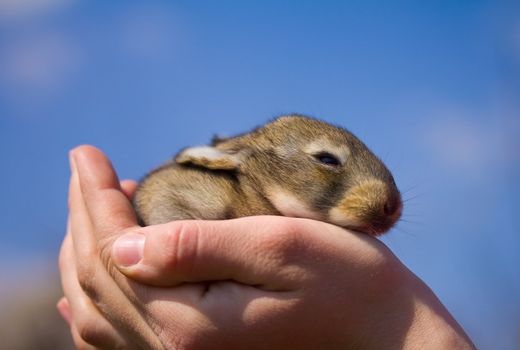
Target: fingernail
<point>128,249</point>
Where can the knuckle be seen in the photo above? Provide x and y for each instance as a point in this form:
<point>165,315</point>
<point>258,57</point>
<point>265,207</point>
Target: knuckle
<point>87,279</point>
<point>105,252</point>
<point>180,246</point>
<point>92,331</point>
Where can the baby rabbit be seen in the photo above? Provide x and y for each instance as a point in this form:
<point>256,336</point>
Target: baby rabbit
<point>293,166</point>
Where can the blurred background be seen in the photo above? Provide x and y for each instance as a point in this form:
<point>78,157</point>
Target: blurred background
<point>433,87</point>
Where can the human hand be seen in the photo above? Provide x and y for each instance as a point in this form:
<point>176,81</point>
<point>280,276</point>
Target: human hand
<point>250,283</point>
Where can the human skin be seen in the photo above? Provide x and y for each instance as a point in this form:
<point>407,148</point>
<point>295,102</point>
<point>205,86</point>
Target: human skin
<point>251,283</point>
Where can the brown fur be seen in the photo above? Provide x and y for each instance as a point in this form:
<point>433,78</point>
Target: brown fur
<point>235,177</point>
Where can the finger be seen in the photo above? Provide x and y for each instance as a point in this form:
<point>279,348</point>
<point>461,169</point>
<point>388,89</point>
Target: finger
<point>79,224</point>
<point>128,187</point>
<point>95,274</point>
<point>89,246</point>
<point>87,251</point>
<point>269,255</point>
<point>64,310</point>
<point>79,342</point>
<point>79,311</point>
<point>108,207</point>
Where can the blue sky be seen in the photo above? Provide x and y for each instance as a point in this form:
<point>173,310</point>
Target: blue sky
<point>431,87</point>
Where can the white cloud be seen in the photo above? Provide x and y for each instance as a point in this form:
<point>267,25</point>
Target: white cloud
<point>39,63</point>
<point>13,9</point>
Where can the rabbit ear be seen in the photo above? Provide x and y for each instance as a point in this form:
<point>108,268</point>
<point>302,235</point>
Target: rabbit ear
<point>209,157</point>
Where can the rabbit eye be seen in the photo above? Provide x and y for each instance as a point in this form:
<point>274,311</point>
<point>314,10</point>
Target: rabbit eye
<point>327,158</point>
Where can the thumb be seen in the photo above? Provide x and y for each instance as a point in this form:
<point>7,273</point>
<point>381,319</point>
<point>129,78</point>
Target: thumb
<point>262,251</point>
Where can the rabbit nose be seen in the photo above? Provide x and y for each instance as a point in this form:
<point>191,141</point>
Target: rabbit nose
<point>372,206</point>
<point>391,206</point>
